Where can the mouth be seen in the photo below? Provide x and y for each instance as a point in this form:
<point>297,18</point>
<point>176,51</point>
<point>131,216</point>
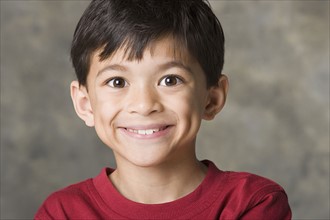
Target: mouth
<point>148,131</point>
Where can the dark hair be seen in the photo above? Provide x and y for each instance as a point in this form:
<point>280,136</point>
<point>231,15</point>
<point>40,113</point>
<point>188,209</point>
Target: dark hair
<point>134,24</point>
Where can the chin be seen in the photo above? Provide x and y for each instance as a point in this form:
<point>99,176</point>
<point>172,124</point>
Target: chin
<point>147,162</point>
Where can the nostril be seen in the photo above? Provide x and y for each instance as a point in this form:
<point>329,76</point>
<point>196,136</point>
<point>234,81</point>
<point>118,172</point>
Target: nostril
<point>144,103</point>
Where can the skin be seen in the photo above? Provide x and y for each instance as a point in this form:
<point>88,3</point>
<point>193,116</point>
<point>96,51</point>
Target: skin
<point>149,112</point>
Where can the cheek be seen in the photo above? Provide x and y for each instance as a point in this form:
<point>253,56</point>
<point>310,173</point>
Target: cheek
<point>196,100</point>
<point>104,115</point>
<point>104,111</point>
<point>188,105</point>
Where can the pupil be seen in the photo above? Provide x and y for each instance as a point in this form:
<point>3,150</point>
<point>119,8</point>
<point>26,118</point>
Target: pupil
<point>119,83</point>
<point>170,81</point>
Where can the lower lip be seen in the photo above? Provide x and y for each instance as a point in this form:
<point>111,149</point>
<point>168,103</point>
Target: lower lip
<point>155,135</point>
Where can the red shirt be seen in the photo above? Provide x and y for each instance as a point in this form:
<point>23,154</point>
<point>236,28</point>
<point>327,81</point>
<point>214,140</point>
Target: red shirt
<point>221,195</point>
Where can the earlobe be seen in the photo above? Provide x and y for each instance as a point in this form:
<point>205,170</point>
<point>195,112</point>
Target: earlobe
<point>81,103</point>
<point>216,98</point>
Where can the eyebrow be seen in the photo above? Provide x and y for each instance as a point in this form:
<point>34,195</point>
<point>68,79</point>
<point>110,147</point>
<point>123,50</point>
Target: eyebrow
<point>163,66</point>
<point>115,67</point>
<point>173,64</point>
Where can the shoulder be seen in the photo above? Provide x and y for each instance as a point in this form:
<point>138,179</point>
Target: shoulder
<point>58,203</point>
<point>259,197</point>
<point>75,200</point>
<point>251,183</point>
<point>80,190</point>
<point>251,196</point>
<point>243,182</point>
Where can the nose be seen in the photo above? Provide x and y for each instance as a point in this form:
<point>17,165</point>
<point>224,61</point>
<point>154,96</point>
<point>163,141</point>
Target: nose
<point>144,100</point>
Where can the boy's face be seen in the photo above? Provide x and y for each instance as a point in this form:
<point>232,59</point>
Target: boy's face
<point>148,111</point>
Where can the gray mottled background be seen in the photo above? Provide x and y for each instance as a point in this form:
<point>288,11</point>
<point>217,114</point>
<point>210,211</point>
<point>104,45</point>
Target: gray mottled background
<point>275,123</point>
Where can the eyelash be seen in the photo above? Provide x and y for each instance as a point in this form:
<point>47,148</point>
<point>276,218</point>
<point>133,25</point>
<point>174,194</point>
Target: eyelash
<point>111,82</point>
<point>178,81</point>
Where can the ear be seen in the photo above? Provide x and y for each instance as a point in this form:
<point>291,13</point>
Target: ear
<point>216,98</point>
<point>81,103</point>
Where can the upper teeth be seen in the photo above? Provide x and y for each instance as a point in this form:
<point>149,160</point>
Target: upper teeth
<point>144,132</point>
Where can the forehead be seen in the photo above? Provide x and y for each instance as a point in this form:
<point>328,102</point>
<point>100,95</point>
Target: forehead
<point>166,47</point>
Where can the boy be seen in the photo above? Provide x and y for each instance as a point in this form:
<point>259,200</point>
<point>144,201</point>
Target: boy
<point>148,72</point>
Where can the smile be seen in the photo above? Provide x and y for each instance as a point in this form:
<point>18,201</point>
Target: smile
<point>145,131</point>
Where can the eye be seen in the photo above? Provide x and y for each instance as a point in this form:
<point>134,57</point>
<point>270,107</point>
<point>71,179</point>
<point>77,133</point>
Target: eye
<point>117,82</point>
<point>170,80</point>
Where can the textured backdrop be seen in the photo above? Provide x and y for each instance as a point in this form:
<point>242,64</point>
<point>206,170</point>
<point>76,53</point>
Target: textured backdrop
<point>275,123</point>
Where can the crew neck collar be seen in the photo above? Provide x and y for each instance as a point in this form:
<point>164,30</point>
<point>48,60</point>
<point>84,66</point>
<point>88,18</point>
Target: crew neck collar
<point>112,199</point>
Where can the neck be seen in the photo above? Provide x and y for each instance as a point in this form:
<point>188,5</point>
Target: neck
<point>161,184</point>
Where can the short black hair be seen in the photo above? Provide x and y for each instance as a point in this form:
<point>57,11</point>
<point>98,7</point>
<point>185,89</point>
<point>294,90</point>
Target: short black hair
<point>134,24</point>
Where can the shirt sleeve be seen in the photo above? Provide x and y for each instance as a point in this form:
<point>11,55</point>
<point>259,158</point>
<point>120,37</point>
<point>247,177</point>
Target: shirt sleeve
<point>42,214</point>
<point>50,209</point>
<point>273,206</point>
